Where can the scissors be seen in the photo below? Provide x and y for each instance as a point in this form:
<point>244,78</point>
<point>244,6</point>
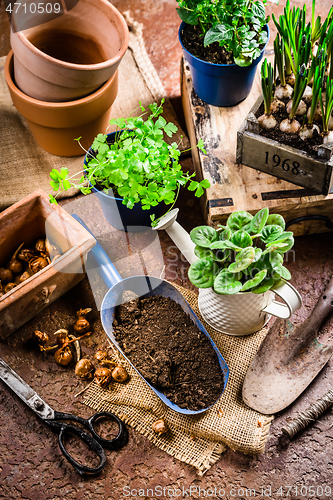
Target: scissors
<point>51,417</point>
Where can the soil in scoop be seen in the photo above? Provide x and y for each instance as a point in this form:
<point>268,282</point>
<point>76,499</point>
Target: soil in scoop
<point>169,351</point>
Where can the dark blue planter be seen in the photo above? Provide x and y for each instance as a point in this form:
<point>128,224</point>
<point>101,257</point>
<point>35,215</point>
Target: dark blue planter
<point>220,84</point>
<point>117,214</point>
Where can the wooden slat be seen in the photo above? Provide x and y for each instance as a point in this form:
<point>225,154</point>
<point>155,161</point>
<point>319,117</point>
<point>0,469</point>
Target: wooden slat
<point>235,186</point>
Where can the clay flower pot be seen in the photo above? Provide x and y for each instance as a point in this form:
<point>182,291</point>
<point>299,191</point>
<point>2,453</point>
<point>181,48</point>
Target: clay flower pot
<point>56,125</point>
<point>70,56</point>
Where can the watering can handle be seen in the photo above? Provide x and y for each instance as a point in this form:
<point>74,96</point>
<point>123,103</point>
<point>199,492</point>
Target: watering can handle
<point>289,295</point>
<point>99,259</point>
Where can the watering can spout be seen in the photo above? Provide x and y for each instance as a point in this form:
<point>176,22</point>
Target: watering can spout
<point>177,233</point>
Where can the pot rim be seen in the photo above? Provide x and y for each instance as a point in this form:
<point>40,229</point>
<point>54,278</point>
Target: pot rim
<point>232,65</point>
<point>8,68</point>
<point>233,294</point>
<point>84,67</point>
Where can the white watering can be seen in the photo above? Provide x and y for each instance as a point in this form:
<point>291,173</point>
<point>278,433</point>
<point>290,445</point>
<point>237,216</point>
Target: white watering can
<point>242,313</point>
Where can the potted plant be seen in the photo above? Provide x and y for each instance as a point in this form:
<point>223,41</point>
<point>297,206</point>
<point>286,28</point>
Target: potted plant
<point>239,267</point>
<point>223,42</point>
<point>291,123</point>
<point>134,171</point>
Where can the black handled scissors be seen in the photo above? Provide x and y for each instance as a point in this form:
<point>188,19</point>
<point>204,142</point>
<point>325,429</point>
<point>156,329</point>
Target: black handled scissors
<point>52,418</point>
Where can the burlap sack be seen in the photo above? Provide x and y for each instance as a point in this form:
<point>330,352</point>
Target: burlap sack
<point>197,440</point>
<point>25,166</point>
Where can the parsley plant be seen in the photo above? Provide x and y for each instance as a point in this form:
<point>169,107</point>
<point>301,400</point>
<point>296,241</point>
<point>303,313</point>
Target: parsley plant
<point>139,166</point>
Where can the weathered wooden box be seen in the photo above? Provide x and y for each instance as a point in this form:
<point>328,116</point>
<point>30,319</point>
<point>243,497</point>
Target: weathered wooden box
<point>26,221</point>
<point>280,160</point>
<point>235,186</point>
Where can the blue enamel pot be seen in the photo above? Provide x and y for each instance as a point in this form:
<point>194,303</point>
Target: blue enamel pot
<point>220,84</point>
<point>116,213</point>
<point>141,286</point>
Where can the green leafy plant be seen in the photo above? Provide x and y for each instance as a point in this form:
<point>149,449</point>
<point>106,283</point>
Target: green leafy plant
<point>301,82</point>
<point>279,59</point>
<point>238,26</point>
<point>267,85</point>
<point>139,166</point>
<point>246,255</point>
<point>327,107</point>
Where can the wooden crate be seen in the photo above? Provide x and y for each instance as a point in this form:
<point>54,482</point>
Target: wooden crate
<point>283,161</point>
<point>27,220</point>
<point>235,186</point>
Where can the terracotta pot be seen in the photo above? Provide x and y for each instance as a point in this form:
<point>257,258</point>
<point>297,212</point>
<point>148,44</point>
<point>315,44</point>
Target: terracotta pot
<point>56,125</point>
<point>70,56</point>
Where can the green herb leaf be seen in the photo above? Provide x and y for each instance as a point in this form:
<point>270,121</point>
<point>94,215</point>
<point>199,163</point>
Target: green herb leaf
<point>258,278</point>
<point>265,285</point>
<point>219,33</point>
<point>282,272</point>
<point>203,253</point>
<point>203,236</point>
<point>187,17</point>
<point>202,273</point>
<point>224,245</point>
<point>259,220</point>
<point>276,219</point>
<point>243,259</point>
<point>237,220</point>
<point>227,283</point>
<point>271,233</point>
<point>241,239</point>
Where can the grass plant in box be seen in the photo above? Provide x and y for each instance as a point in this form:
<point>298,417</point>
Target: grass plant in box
<point>139,167</point>
<point>238,265</point>
<point>302,89</point>
<point>288,132</point>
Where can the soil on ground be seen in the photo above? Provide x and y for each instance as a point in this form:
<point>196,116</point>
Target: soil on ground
<point>310,147</point>
<point>169,351</point>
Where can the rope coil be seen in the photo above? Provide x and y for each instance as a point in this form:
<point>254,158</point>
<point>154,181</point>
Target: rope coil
<point>309,415</point>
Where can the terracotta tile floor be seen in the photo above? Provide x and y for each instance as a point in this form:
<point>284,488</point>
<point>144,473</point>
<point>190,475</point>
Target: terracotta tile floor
<point>31,466</point>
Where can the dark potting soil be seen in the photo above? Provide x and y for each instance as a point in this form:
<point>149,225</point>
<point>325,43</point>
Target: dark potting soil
<point>310,147</point>
<point>193,39</point>
<point>169,351</point>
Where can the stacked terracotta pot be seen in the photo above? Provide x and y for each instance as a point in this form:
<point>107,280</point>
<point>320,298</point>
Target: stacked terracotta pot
<point>62,73</point>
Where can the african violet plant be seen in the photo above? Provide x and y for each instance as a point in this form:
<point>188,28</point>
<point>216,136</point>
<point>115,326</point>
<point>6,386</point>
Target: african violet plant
<point>237,25</point>
<point>246,255</point>
<point>139,166</point>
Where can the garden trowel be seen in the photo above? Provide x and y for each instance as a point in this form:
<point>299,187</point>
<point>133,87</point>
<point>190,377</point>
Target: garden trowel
<point>288,359</point>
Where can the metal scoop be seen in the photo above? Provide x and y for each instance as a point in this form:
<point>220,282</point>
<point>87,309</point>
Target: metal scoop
<point>140,286</point>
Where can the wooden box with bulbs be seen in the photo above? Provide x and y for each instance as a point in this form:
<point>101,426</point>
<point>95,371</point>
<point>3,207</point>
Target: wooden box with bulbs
<point>43,250</point>
<point>283,161</point>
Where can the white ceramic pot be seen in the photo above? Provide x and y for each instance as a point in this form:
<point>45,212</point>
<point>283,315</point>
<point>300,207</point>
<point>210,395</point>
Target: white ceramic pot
<point>70,56</point>
<point>242,313</point>
<point>246,312</point>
